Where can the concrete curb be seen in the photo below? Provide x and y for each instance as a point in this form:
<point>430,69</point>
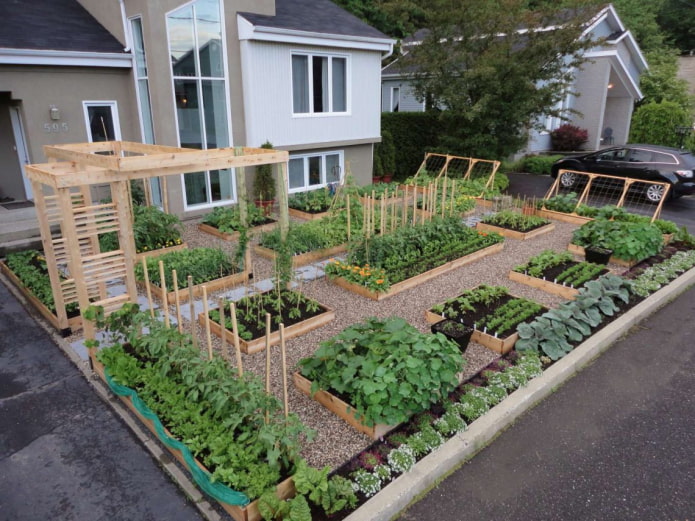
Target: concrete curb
<point>396,496</point>
<point>163,459</point>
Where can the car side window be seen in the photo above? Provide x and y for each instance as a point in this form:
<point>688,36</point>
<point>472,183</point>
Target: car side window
<point>616,154</point>
<point>660,157</point>
<point>639,155</point>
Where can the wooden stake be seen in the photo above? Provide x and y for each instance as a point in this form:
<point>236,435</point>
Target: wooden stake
<point>443,196</point>
<point>179,325</point>
<point>347,200</point>
<point>207,321</point>
<point>147,286</point>
<point>415,191</point>
<point>235,330</point>
<point>404,217</point>
<point>284,370</point>
<point>165,303</point>
<point>267,360</point>
<point>223,330</point>
<point>382,216</point>
<point>453,197</point>
<point>191,303</point>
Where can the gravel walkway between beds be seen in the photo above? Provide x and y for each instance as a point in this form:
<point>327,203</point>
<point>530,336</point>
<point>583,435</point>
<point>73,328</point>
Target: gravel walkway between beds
<point>336,441</point>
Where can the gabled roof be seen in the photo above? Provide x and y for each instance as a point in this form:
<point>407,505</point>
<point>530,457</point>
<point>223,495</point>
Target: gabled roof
<point>313,22</point>
<point>53,25</point>
<point>314,16</point>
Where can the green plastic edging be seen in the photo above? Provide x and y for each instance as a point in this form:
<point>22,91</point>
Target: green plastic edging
<point>218,491</point>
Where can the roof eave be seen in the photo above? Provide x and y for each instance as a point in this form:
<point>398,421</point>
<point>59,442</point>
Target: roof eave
<point>249,31</point>
<point>10,56</point>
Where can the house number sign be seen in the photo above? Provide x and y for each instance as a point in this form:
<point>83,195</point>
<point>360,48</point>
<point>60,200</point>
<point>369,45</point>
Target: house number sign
<point>55,127</point>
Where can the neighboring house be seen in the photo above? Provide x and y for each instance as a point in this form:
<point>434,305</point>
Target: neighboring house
<point>607,84</point>
<point>302,74</point>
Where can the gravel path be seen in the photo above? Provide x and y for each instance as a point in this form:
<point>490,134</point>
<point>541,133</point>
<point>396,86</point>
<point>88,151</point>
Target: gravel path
<point>336,441</point>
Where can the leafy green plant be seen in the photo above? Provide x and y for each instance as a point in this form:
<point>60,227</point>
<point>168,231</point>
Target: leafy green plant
<point>387,369</point>
<point>374,279</point>
<point>628,240</point>
<point>309,236</point>
<point>273,508</point>
<point>153,229</point>
<point>264,184</point>
<point>515,221</point>
<point>539,264</point>
<point>554,332</point>
<point>655,277</point>
<point>203,264</point>
<point>227,219</point>
<point>539,164</point>
<point>565,203</point>
<point>312,201</point>
<point>331,494</point>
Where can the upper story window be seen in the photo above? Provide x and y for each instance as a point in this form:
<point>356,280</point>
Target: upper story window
<point>319,84</point>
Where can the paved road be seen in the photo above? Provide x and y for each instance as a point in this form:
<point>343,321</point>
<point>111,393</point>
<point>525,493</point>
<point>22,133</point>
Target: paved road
<point>681,211</point>
<point>64,455</point>
<point>615,443</point>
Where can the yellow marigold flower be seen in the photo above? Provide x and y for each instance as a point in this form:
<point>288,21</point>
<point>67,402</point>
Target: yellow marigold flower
<point>379,281</point>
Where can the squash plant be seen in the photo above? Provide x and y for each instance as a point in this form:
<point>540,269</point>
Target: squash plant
<point>629,241</point>
<point>227,219</point>
<point>387,369</point>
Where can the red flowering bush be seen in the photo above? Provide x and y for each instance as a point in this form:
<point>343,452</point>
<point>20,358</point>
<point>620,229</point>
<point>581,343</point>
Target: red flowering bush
<point>568,137</point>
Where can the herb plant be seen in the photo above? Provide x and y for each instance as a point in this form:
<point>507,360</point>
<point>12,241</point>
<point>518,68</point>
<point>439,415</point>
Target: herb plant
<point>203,264</point>
<point>227,219</point>
<point>515,221</point>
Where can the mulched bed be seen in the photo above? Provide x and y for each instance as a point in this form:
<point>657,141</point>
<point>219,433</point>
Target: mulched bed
<point>553,272</point>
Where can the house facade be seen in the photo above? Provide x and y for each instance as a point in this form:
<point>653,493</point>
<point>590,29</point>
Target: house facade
<point>301,74</point>
<point>603,93</point>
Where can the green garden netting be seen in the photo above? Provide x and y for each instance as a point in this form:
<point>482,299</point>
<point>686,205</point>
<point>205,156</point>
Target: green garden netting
<point>218,491</point>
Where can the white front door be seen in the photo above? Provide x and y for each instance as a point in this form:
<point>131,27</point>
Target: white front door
<point>20,145</point>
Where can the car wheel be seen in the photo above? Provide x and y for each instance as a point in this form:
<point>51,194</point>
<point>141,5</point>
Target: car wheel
<point>654,193</point>
<point>568,179</point>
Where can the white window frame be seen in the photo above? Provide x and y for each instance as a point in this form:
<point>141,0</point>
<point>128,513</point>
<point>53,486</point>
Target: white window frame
<point>348,97</point>
<point>225,67</point>
<point>395,90</point>
<point>305,157</point>
<point>113,105</point>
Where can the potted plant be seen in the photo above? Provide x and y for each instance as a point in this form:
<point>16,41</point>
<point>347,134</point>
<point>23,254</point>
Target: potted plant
<point>597,254</point>
<point>456,331</point>
<point>264,185</point>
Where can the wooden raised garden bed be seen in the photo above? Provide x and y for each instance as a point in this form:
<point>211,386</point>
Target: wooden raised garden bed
<point>212,285</point>
<point>234,235</point>
<point>579,250</point>
<point>160,251</point>
<point>74,323</point>
<point>258,344</point>
<point>513,234</point>
<point>304,258</point>
<point>341,409</point>
<point>546,285</point>
<point>571,218</point>
<point>285,489</point>
<point>307,216</point>
<point>418,279</point>
<point>501,345</point>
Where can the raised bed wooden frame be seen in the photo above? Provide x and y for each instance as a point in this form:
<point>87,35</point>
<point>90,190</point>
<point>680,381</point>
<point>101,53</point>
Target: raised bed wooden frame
<point>546,285</point>
<point>513,234</point>
<point>304,258</point>
<point>258,344</point>
<point>213,285</point>
<point>418,279</point>
<point>307,216</point>
<point>579,250</point>
<point>160,251</point>
<point>285,489</point>
<point>341,409</point>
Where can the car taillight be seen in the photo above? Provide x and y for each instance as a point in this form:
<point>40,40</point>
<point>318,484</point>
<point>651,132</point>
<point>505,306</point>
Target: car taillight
<point>685,173</point>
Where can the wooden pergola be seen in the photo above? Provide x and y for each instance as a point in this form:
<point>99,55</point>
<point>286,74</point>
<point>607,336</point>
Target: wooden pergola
<point>78,270</point>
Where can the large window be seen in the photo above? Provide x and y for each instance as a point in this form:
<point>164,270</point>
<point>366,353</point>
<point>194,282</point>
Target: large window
<point>197,60</point>
<point>319,84</point>
<point>101,118</point>
<point>310,171</point>
<point>143,98</point>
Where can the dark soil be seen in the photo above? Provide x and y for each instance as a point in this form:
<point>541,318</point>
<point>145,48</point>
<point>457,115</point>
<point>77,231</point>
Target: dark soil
<point>669,251</point>
<point>520,230</point>
<point>553,272</point>
<point>313,210</point>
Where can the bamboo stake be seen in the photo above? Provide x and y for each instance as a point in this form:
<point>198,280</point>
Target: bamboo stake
<point>415,191</point>
<point>382,216</point>
<point>235,330</point>
<point>284,370</point>
<point>444,196</point>
<point>453,197</point>
<point>267,361</point>
<point>179,325</point>
<point>223,330</point>
<point>191,304</point>
<point>347,200</point>
<point>373,215</point>
<point>147,286</point>
<point>207,321</point>
<point>165,303</point>
<point>394,203</point>
<point>404,217</point>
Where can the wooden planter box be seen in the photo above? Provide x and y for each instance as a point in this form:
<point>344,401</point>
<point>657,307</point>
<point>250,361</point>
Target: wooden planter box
<point>258,344</point>
<point>418,279</point>
<point>545,285</point>
<point>250,512</point>
<point>513,234</point>
<point>234,235</point>
<point>304,258</point>
<point>579,250</point>
<point>212,285</point>
<point>307,216</point>
<point>160,251</point>
<point>498,345</point>
<point>341,409</point>
<point>74,323</point>
<point>572,218</point>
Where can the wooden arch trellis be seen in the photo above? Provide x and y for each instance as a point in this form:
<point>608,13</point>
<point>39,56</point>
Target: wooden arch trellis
<point>78,270</point>
<point>458,167</point>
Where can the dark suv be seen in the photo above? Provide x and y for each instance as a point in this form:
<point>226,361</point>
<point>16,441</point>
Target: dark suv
<point>645,162</point>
